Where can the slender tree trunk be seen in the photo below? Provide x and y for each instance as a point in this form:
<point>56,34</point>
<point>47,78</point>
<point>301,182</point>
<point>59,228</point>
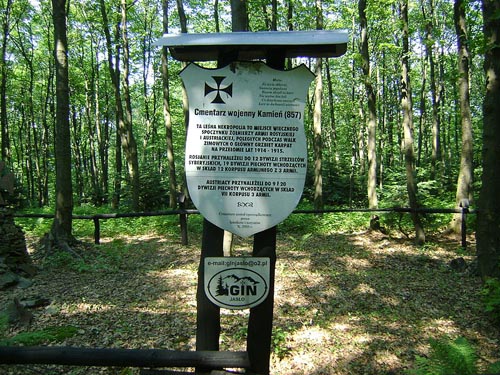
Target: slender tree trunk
<point>488,215</point>
<point>216,16</point>
<point>406,104</point>
<point>274,15</point>
<point>333,125</point>
<point>166,114</point>
<point>372,108</point>
<point>78,160</point>
<point>317,114</point>
<point>422,118</point>
<point>185,104</point>
<point>117,188</point>
<point>127,135</point>
<point>102,126</point>
<point>436,156</point>
<point>91,129</point>
<point>239,15</point>
<point>62,224</point>
<point>465,176</point>
<point>4,130</point>
<point>124,118</point>
<point>182,16</point>
<point>46,141</point>
<point>317,137</point>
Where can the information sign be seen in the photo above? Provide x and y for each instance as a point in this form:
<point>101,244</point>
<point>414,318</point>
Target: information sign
<point>237,282</point>
<point>246,155</point>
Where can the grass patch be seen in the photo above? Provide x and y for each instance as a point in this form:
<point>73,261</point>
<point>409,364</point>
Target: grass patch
<point>43,336</point>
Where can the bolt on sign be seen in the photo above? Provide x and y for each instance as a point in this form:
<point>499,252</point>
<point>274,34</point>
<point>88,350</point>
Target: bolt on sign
<point>237,282</point>
<point>246,152</point>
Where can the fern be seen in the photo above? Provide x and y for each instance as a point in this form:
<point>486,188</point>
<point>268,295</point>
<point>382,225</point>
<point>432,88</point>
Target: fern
<point>447,357</point>
<point>491,297</point>
<point>494,368</point>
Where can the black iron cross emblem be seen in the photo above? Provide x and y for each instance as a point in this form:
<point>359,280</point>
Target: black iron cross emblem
<point>218,81</point>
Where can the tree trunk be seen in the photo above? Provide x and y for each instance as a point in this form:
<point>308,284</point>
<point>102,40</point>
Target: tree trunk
<point>422,117</point>
<point>4,133</point>
<point>239,15</point>
<point>488,215</point>
<point>62,224</point>
<point>124,119</point>
<point>317,141</point>
<point>216,16</point>
<point>333,125</point>
<point>465,176</point>
<point>166,114</point>
<point>317,131</point>
<point>406,104</point>
<point>129,144</point>
<point>436,154</point>
<point>372,108</point>
<point>102,126</point>
<point>182,16</point>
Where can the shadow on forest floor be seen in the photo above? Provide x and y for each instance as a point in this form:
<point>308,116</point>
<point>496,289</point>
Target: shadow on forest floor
<point>360,303</point>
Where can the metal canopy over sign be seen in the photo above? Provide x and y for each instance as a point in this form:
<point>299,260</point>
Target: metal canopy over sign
<point>255,45</point>
<point>246,155</point>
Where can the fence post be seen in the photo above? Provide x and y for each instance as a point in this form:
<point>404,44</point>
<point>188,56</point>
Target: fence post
<point>464,208</point>
<point>97,230</point>
<point>181,199</point>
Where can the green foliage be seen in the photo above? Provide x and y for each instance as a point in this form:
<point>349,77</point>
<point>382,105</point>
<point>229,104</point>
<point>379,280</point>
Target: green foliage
<point>491,297</point>
<point>303,224</point>
<point>494,368</point>
<point>4,324</point>
<point>278,343</point>
<point>153,194</point>
<point>108,259</point>
<point>49,334</point>
<point>447,357</point>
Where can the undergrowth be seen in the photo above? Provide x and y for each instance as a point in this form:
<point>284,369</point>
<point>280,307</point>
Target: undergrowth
<point>450,357</point>
<point>491,297</point>
<point>44,336</point>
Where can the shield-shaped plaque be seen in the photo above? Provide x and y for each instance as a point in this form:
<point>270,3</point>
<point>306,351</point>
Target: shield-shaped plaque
<point>246,155</point>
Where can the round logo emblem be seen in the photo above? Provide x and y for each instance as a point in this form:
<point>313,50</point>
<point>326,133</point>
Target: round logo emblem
<point>237,288</point>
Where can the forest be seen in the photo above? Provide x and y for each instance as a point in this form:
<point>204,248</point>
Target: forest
<point>126,118</point>
<point>93,119</point>
<point>396,121</point>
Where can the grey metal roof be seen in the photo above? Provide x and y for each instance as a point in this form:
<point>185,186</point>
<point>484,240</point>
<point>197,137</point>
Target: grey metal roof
<point>255,45</point>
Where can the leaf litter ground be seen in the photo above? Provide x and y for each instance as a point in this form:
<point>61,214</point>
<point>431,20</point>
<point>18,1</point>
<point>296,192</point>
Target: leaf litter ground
<point>345,303</point>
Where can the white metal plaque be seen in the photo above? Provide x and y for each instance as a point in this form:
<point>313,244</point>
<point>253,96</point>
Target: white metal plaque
<point>237,282</point>
<point>246,155</point>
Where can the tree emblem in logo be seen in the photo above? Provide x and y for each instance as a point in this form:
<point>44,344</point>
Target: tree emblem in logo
<point>218,89</point>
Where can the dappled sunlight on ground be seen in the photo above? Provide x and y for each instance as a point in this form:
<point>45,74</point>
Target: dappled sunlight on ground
<point>358,303</point>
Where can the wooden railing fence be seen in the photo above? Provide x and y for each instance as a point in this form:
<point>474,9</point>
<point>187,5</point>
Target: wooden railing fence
<point>183,217</point>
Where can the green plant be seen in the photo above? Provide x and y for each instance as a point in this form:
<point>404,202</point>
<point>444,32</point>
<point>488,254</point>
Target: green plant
<point>6,184</point>
<point>107,259</point>
<point>447,357</point>
<point>491,297</point>
<point>494,368</point>
<point>50,334</point>
<point>278,343</point>
<point>4,324</point>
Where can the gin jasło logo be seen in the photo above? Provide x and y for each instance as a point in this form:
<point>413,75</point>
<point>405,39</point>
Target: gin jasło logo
<point>237,288</point>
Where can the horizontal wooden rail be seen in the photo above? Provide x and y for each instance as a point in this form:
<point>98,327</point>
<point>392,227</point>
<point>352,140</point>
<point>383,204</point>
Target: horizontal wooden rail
<point>114,215</point>
<point>184,212</point>
<point>196,212</point>
<point>104,357</point>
